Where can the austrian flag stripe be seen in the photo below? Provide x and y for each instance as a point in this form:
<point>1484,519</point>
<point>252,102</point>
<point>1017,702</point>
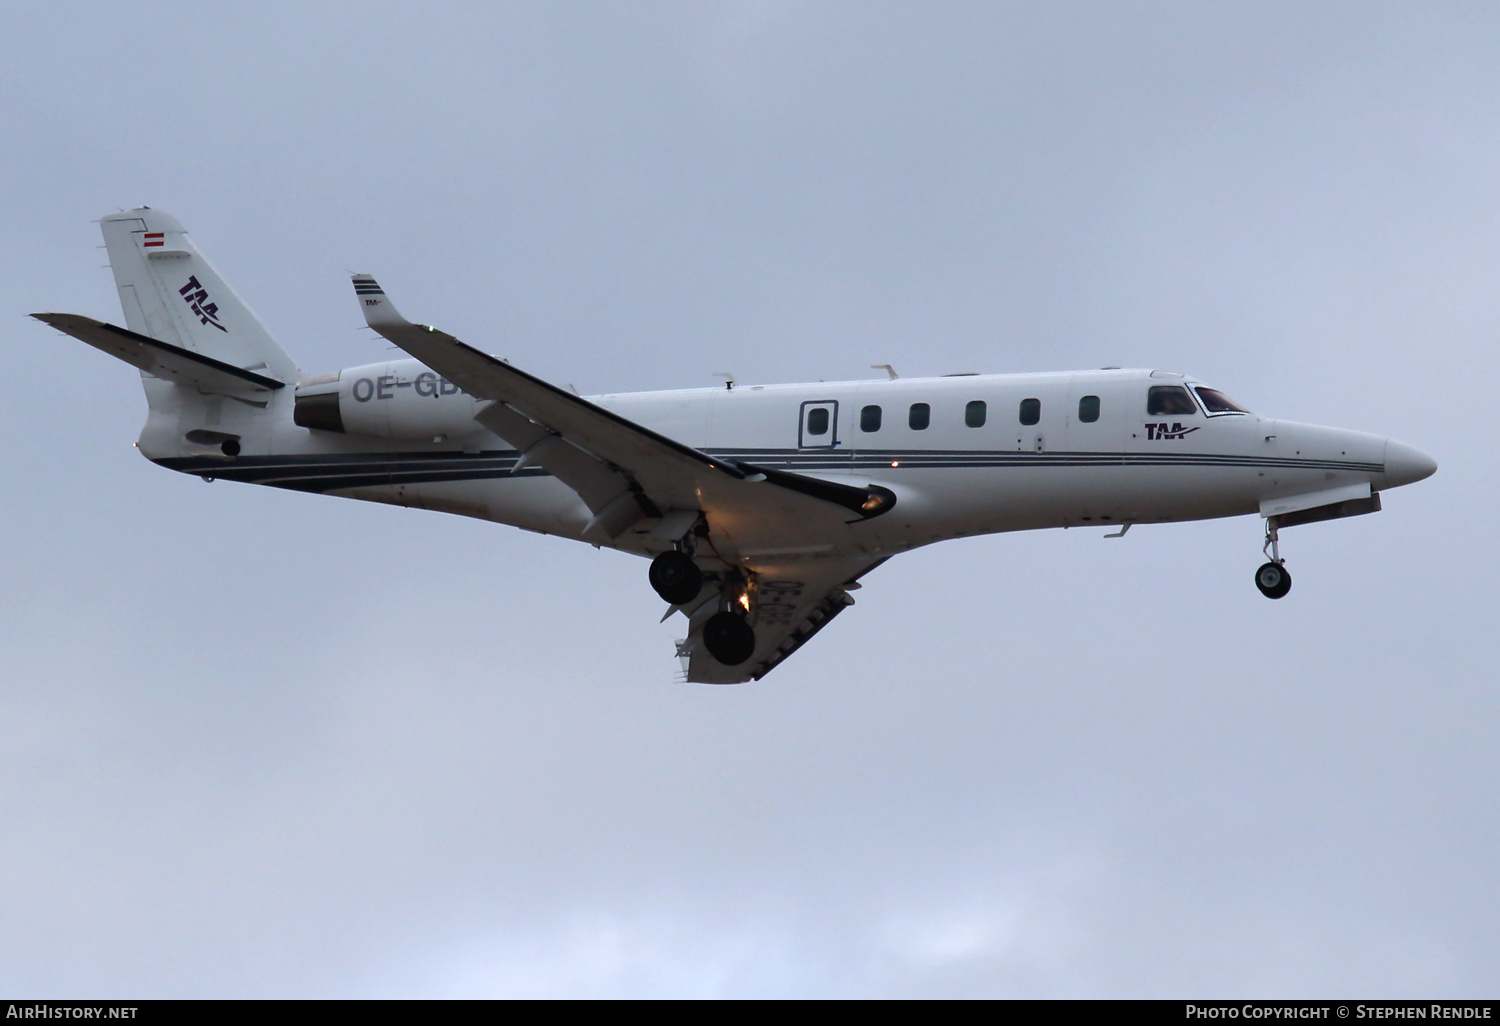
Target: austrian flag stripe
<point>155,239</point>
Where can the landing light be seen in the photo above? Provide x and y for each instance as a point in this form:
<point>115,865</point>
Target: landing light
<point>895,463</point>
<point>745,602</point>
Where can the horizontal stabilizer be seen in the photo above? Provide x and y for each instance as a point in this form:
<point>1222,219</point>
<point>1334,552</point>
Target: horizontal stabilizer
<point>160,359</point>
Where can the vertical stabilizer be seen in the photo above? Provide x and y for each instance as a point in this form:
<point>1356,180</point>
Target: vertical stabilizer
<point>170,292</point>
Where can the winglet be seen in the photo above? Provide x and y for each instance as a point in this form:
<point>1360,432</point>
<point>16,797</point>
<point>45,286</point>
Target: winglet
<point>379,311</point>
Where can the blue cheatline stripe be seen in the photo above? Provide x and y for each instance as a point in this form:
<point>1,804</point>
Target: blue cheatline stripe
<point>322,473</point>
<point>951,458</point>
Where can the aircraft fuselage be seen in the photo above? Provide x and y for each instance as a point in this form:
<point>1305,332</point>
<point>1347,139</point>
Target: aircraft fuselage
<point>761,506</point>
<point>968,465</point>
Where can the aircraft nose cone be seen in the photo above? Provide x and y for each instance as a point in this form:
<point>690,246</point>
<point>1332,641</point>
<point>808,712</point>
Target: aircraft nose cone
<point>1405,464</point>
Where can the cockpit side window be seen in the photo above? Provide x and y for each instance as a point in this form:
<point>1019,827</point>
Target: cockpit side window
<point>1215,401</point>
<point>1169,401</point>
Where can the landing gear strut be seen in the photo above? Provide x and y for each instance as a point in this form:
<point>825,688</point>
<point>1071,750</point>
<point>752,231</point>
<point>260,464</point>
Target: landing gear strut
<point>676,577</point>
<point>1272,578</point>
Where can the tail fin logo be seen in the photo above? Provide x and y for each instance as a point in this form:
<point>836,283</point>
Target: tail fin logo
<point>196,297</point>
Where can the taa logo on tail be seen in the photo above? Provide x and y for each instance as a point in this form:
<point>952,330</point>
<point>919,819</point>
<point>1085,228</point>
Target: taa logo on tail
<point>196,297</point>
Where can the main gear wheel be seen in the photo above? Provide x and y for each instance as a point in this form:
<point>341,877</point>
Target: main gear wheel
<point>676,577</point>
<point>729,638</point>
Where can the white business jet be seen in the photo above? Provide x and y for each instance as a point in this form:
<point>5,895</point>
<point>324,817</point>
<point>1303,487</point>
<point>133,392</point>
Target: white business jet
<point>760,507</point>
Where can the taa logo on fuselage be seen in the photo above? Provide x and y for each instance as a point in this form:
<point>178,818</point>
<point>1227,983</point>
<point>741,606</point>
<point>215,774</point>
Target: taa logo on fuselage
<point>1164,430</point>
<point>196,297</point>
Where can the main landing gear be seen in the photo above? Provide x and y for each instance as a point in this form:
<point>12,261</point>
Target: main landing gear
<point>676,577</point>
<point>1272,578</point>
<point>728,638</point>
<point>727,635</point>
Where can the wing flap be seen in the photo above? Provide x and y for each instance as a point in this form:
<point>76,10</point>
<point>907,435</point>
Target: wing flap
<point>600,486</point>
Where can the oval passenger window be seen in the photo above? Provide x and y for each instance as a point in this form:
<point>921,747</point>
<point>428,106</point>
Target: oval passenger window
<point>1088,409</point>
<point>869,418</point>
<point>974,413</point>
<point>817,421</point>
<point>1031,411</point>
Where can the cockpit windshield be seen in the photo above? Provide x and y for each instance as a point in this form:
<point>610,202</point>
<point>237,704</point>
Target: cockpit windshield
<point>1215,401</point>
<point>1169,400</point>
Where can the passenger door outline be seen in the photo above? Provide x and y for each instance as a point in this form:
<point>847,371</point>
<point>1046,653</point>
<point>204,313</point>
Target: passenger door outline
<point>809,440</point>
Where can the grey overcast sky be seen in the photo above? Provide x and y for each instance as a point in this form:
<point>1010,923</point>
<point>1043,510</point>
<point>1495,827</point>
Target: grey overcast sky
<point>259,743</point>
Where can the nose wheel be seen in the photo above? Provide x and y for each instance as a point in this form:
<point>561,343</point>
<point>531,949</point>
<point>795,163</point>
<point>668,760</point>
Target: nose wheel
<point>1272,578</point>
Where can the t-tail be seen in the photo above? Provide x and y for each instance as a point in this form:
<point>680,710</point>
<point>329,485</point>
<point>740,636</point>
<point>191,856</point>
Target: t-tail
<point>211,372</point>
<point>169,291</point>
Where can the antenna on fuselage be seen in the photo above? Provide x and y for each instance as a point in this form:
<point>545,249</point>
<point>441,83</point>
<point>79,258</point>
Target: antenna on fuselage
<point>728,377</point>
<point>887,368</point>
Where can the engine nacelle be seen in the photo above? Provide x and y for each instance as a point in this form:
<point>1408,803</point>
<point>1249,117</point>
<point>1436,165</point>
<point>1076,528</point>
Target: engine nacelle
<point>396,399</point>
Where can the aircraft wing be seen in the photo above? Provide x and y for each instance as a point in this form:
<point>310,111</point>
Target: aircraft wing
<point>160,359</point>
<point>628,475</point>
<point>794,601</point>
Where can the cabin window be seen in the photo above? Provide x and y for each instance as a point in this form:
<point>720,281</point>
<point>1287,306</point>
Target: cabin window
<point>919,416</point>
<point>869,418</point>
<point>1169,401</point>
<point>1215,401</point>
<point>974,413</point>
<point>1088,409</point>
<point>1031,411</point>
<point>817,421</point>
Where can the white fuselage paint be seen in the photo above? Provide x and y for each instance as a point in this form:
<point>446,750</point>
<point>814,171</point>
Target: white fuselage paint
<point>774,551</point>
<point>951,480</point>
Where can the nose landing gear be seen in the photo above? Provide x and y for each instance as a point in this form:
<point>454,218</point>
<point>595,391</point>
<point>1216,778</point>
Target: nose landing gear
<point>1272,578</point>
